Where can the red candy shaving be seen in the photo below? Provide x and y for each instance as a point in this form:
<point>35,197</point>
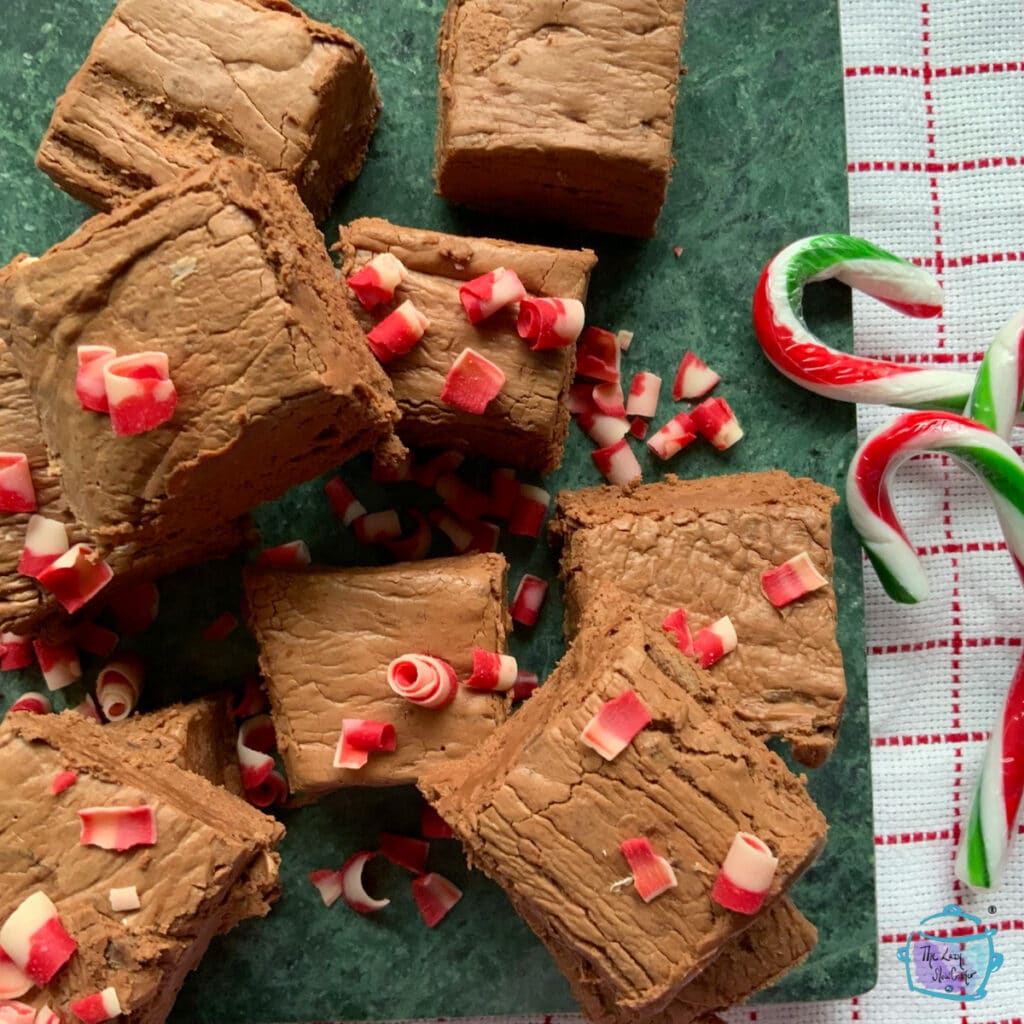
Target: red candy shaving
<point>398,333</point>
<point>14,982</point>
<point>361,737</point>
<point>352,890</point>
<point>46,1016</point>
<point>15,652</point>
<point>272,790</point>
<point>45,541</point>
<point>35,940</point>
<point>472,382</point>
<point>328,884</point>
<point>75,577</point>
<point>613,728</point>
<point>376,282</point>
<point>118,686</point>
<point>433,826</point>
<point>252,701</point>
<point>118,828</point>
<point>221,626</point>
<point>638,427</point>
<point>16,491</point>
<point>458,533</point>
<point>625,339</point>
<point>673,436</point>
<point>407,853</point>
<point>598,355</point>
<point>346,506</point>
<point>424,680</point>
<point>528,512</point>
<point>603,430</point>
<point>465,501</point>
<point>794,578</point>
<point>58,663</point>
<point>90,384</point>
<point>529,598</point>
<point>714,642</point>
<point>504,491</point>
<point>618,463</point>
<point>435,896</point>
<point>643,395</point>
<point>256,739</point>
<point>694,379</point>
<point>550,323</point>
<point>717,423</point>
<point>492,671</point>
<point>62,781</point>
<point>746,875</point>
<point>676,624</point>
<point>377,527</point>
<point>652,875</point>
<point>33,703</point>
<point>87,709</point>
<point>581,398</point>
<point>416,545</point>
<point>135,608</point>
<point>140,392</point>
<point>293,555</point>
<point>485,536</point>
<point>526,682</point>
<point>12,1012</point>
<point>97,1008</point>
<point>485,295</point>
<point>94,638</point>
<point>608,400</point>
<point>442,464</point>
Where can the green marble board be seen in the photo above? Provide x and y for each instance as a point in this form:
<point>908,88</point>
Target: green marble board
<point>760,154</point>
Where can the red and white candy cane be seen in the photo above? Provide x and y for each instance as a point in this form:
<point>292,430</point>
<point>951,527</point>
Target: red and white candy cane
<point>17,494</point>
<point>256,739</point>
<point>550,323</point>
<point>795,352</point>
<point>746,875</point>
<point>485,295</point>
<point>118,828</point>
<point>424,680</point>
<point>119,685</point>
<point>140,392</point>
<point>35,940</point>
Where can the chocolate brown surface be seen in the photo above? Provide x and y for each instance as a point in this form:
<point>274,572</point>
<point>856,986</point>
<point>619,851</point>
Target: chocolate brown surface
<point>559,110</point>
<point>225,272</point>
<point>24,605</point>
<point>702,545</point>
<point>326,638</point>
<point>198,736</point>
<point>544,815</point>
<point>778,940</point>
<point>526,424</point>
<point>171,85</point>
<point>208,843</point>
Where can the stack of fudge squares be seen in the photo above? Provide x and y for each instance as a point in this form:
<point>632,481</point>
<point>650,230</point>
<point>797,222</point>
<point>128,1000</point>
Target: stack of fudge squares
<point>213,135</point>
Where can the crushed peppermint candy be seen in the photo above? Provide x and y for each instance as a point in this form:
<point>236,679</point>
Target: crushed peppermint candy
<point>435,896</point>
<point>17,493</point>
<point>472,383</point>
<point>714,642</point>
<point>791,580</point>
<point>616,725</point>
<point>352,889</point>
<point>652,874</point>
<point>361,737</point>
<point>694,378</point>
<point>118,828</point>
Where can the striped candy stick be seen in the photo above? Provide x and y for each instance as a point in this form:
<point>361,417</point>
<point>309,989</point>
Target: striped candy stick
<point>995,399</point>
<point>986,841</point>
<point>796,353</point>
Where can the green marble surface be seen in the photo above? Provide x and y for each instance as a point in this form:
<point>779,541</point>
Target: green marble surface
<point>760,158</point>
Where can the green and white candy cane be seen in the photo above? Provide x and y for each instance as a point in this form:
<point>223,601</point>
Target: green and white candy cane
<point>998,389</point>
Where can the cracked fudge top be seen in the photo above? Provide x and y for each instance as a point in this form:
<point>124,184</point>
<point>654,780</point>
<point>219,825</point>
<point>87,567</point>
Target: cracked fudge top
<point>224,272</point>
<point>211,854</point>
<point>171,85</point>
<point>702,545</point>
<point>326,638</point>
<point>544,815</point>
<point>526,424</point>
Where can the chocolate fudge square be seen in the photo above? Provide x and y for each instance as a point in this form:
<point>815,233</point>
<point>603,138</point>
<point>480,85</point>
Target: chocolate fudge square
<point>171,85</point>
<point>559,111</point>
<point>191,883</point>
<point>702,545</point>
<point>225,273</point>
<point>326,638</point>
<point>199,736</point>
<point>778,940</point>
<point>544,815</point>
<point>526,424</point>
<point>25,606</point>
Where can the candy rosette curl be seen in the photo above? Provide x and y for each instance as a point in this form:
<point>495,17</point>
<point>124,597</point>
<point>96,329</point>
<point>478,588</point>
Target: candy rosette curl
<point>119,685</point>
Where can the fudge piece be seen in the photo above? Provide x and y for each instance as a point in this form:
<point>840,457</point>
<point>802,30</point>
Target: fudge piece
<point>560,111</point>
<point>702,545</point>
<point>326,638</point>
<point>777,941</point>
<point>544,815</point>
<point>171,85</point>
<point>24,605</point>
<point>526,424</point>
<point>192,883</point>
<point>199,736</point>
<point>225,273</point>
